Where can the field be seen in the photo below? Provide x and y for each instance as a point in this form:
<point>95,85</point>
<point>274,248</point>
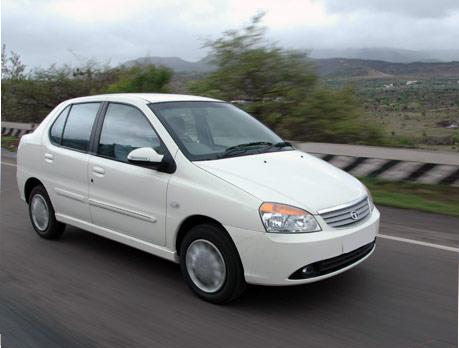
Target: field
<point>423,114</point>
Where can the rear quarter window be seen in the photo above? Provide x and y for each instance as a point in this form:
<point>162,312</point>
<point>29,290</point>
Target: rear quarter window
<point>77,129</point>
<point>55,134</point>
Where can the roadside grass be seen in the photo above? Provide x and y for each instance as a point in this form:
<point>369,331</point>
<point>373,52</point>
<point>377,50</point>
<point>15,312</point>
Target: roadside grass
<point>439,199</point>
<point>9,143</point>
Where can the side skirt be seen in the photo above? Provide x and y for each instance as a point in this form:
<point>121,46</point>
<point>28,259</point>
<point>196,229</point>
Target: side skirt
<point>119,237</point>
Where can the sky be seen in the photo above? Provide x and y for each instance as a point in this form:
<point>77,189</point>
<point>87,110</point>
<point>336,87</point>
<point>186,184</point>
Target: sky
<point>44,32</point>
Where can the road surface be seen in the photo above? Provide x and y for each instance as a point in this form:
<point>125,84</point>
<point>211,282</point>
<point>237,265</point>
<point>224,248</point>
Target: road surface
<point>87,291</point>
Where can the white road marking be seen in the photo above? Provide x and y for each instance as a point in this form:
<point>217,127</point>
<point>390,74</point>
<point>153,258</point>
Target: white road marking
<point>417,242</point>
<point>404,240</point>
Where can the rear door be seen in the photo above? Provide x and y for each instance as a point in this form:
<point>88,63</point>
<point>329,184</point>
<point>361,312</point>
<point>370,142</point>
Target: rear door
<point>124,197</point>
<point>66,159</point>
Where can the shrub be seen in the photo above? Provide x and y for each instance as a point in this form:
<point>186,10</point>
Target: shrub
<point>281,88</point>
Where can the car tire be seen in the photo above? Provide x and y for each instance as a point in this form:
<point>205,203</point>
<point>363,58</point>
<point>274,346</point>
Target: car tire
<point>42,216</point>
<point>211,265</point>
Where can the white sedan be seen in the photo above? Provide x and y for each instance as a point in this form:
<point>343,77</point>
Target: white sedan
<point>199,182</point>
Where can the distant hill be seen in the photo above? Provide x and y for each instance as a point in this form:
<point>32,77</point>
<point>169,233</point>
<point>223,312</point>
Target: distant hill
<point>174,63</point>
<point>392,55</point>
<point>332,67</point>
<point>340,67</point>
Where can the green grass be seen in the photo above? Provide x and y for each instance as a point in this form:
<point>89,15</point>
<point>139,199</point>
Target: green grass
<point>9,142</point>
<point>438,199</point>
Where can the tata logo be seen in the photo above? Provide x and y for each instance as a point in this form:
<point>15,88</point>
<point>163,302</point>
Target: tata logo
<point>354,215</point>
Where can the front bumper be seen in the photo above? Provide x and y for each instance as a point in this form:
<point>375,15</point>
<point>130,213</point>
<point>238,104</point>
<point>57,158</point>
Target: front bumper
<point>271,259</point>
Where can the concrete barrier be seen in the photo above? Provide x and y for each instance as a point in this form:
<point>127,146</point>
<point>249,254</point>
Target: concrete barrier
<point>396,164</point>
<point>17,129</point>
<point>428,167</point>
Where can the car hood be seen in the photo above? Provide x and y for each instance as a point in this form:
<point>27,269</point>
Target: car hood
<point>289,177</point>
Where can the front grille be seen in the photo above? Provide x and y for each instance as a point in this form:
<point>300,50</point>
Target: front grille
<point>334,264</point>
<point>348,215</point>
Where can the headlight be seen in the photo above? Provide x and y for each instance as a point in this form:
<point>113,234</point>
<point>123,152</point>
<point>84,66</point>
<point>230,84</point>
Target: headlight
<point>370,199</point>
<point>281,218</point>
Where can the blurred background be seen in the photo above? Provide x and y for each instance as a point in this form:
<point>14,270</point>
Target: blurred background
<point>371,72</point>
<point>379,73</point>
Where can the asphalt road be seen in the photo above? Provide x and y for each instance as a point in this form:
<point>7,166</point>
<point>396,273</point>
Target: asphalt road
<point>87,291</point>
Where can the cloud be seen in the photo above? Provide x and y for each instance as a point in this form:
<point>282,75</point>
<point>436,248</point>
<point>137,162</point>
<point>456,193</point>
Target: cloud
<point>58,31</point>
<point>89,11</point>
<point>410,8</point>
<point>379,30</point>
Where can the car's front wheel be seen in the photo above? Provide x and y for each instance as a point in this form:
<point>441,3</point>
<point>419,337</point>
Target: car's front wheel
<point>211,265</point>
<point>41,214</point>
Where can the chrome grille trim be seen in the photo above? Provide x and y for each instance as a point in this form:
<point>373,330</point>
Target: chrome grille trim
<point>340,216</point>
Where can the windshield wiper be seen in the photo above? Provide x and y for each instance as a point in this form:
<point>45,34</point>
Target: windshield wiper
<point>278,146</point>
<point>282,144</point>
<point>241,148</point>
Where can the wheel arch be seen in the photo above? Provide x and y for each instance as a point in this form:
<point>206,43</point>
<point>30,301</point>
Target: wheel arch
<point>29,185</point>
<point>195,220</point>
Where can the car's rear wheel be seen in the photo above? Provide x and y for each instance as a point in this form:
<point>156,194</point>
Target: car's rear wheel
<point>42,216</point>
<point>211,265</point>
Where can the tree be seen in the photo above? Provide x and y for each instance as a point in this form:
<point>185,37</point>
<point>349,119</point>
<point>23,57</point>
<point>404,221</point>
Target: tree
<point>281,88</point>
<point>12,67</point>
<point>138,79</point>
<point>30,98</point>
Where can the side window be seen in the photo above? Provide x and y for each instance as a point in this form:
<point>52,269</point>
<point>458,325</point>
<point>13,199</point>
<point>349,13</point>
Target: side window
<point>79,126</point>
<point>125,128</point>
<point>55,134</point>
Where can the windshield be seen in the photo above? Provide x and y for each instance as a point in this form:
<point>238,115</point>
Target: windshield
<point>213,130</point>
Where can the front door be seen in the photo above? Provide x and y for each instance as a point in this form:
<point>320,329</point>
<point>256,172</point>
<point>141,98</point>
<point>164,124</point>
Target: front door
<point>124,197</point>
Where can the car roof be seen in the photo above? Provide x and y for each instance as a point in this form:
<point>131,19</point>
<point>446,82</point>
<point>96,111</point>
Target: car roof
<point>147,97</point>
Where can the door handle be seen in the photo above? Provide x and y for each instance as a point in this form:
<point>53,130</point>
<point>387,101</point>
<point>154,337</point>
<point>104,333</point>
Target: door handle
<point>98,170</point>
<point>49,157</point>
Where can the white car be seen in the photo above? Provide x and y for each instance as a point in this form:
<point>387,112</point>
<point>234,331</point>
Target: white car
<point>199,182</point>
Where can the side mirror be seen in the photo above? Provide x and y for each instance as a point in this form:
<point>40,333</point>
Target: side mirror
<point>145,155</point>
